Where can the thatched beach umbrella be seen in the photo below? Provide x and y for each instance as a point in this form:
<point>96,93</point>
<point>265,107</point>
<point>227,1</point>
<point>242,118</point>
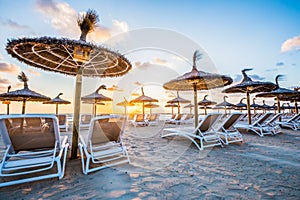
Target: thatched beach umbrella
<point>241,105</point>
<point>125,104</point>
<point>197,80</point>
<point>143,99</point>
<point>150,106</point>
<point>190,106</point>
<point>72,57</point>
<point>173,105</point>
<point>24,94</point>
<point>279,93</point>
<point>96,98</point>
<point>254,105</point>
<point>225,104</point>
<point>248,86</point>
<point>57,100</point>
<point>178,100</point>
<point>7,103</point>
<point>205,102</point>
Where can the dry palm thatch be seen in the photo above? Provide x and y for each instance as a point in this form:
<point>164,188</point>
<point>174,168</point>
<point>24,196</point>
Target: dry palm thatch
<point>87,22</point>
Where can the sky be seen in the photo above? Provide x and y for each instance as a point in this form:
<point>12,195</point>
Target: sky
<point>159,39</point>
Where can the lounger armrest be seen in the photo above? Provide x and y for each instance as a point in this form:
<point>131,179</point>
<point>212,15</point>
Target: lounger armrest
<point>64,141</point>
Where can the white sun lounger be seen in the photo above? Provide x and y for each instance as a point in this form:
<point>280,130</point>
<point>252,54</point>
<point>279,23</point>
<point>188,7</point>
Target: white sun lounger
<point>228,133</point>
<point>259,126</point>
<point>104,147</point>
<point>203,133</point>
<point>32,149</point>
<point>293,123</point>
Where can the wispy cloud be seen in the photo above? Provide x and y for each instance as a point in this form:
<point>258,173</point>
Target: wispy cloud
<point>279,64</point>
<point>291,44</point>
<point>63,17</point>
<point>34,72</point>
<point>14,25</point>
<point>4,80</point>
<point>9,68</point>
<point>142,65</point>
<point>238,78</point>
<point>114,88</point>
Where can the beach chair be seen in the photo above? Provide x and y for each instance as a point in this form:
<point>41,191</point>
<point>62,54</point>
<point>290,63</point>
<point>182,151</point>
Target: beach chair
<point>63,122</point>
<point>32,149</point>
<point>186,119</point>
<point>139,120</point>
<point>202,136</point>
<point>176,119</point>
<point>293,122</point>
<point>272,123</point>
<point>172,118</point>
<point>104,147</point>
<point>259,127</point>
<point>152,119</point>
<point>85,120</point>
<point>228,133</point>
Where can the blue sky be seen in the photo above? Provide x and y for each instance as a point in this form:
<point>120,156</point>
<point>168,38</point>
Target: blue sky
<point>264,35</point>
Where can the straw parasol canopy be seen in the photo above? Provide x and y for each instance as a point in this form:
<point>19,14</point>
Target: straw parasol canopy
<point>197,80</point>
<point>248,86</point>
<point>72,57</point>
<point>24,94</point>
<point>279,93</point>
<point>57,100</point>
<point>178,100</point>
<point>225,104</point>
<point>151,105</point>
<point>125,103</point>
<point>205,102</point>
<point>241,105</point>
<point>173,105</point>
<point>143,99</point>
<point>95,98</point>
<point>7,102</point>
<point>191,106</point>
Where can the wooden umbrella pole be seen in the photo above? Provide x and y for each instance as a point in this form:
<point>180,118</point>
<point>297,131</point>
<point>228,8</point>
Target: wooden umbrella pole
<point>56,110</point>
<point>7,109</point>
<point>143,108</point>
<point>195,104</point>
<point>23,106</point>
<point>76,114</point>
<point>248,107</point>
<point>278,108</point>
<point>296,107</point>
<point>178,111</point>
<point>205,111</point>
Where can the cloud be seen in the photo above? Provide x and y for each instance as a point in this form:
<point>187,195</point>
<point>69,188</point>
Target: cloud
<point>4,80</point>
<point>279,64</point>
<point>272,70</point>
<point>63,19</point>
<point>9,68</point>
<point>115,88</point>
<point>291,44</point>
<point>238,78</point>
<point>143,65</point>
<point>14,25</point>
<point>33,72</point>
<point>138,83</point>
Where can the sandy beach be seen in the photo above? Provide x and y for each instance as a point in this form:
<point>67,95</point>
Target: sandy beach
<point>259,168</point>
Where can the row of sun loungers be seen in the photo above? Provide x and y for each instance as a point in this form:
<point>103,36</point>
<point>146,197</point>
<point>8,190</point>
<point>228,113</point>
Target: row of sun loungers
<point>34,147</point>
<point>34,144</point>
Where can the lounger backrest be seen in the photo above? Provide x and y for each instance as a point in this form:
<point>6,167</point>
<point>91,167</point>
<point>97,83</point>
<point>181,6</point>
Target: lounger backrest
<point>62,119</point>
<point>262,119</point>
<point>25,137</point>
<point>231,120</point>
<point>35,121</point>
<point>86,119</point>
<point>178,117</point>
<point>153,117</point>
<point>105,129</point>
<point>208,122</point>
<point>294,118</point>
<point>274,118</point>
<point>139,118</point>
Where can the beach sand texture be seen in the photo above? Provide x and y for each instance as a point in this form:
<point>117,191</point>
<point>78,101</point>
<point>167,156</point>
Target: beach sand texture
<point>259,168</point>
